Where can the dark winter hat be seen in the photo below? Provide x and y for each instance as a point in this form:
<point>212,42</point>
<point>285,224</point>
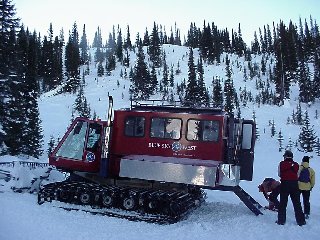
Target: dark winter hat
<point>305,159</point>
<point>288,154</point>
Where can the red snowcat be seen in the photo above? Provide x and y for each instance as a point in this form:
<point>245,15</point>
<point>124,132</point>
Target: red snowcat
<point>152,162</point>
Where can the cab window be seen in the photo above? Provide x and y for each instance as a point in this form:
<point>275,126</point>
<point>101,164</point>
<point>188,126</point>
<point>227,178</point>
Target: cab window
<point>134,126</point>
<point>202,130</point>
<point>73,145</point>
<point>94,137</point>
<point>169,128</point>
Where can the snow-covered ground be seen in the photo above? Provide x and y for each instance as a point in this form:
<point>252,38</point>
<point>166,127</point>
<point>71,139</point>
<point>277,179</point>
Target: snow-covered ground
<point>223,216</point>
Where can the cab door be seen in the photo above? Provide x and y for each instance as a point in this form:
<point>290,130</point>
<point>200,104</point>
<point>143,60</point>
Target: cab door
<point>246,153</point>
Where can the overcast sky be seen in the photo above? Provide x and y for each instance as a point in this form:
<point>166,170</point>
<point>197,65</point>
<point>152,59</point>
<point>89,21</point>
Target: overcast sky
<point>140,14</point>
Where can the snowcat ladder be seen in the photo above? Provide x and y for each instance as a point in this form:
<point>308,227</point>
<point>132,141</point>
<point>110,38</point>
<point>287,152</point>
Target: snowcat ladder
<point>252,204</point>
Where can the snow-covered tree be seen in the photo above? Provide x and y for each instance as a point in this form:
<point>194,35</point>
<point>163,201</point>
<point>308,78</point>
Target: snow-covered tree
<point>307,136</point>
<point>280,140</point>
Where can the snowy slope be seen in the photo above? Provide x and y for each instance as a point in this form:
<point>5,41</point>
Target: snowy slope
<point>224,216</point>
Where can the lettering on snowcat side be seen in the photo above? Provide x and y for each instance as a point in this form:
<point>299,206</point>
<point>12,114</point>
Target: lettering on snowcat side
<point>176,147</point>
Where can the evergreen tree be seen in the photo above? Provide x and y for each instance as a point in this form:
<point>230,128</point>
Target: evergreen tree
<point>112,41</point>
<point>165,74</point>
<point>217,97</point>
<point>72,61</point>
<point>178,70</point>
<point>57,61</point>
<point>128,44</point>
<point>280,140</point>
<point>146,39</point>
<point>263,66</point>
<point>141,87</point>
<point>110,63</point>
<point>51,145</point>
<point>305,90</point>
<point>171,38</point>
<point>9,25</point>
<point>171,78</point>
<point>126,59</point>
<point>307,136</point>
<point>225,42</point>
<point>280,80</point>
<point>229,91</point>
<point>202,94</point>
<point>177,39</point>
<point>317,147</point>
<point>262,42</point>
<point>50,61</point>
<point>286,60</point>
<point>22,123</point>
<point>154,48</point>
<point>84,47</point>
<point>100,72</point>
<point>193,36</point>
<point>32,139</point>
<point>291,51</point>
<point>192,88</point>
<point>220,43</point>
<point>269,40</point>
<point>308,41</point>
<point>119,46</point>
<point>290,144</point>
<point>238,45</point>
<point>14,121</point>
<point>153,78</point>
<point>298,115</point>
<point>97,41</point>
<point>99,55</point>
<point>206,43</point>
<point>316,74</point>
<point>46,66</point>
<point>273,128</point>
<point>81,105</point>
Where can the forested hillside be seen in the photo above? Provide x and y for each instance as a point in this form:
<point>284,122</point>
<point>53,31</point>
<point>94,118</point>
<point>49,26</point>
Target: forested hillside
<point>279,59</point>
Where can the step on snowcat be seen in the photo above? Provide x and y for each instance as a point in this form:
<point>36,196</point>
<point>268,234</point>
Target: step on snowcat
<point>152,161</point>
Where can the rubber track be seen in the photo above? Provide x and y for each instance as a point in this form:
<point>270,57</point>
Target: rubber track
<point>158,219</point>
<point>47,194</point>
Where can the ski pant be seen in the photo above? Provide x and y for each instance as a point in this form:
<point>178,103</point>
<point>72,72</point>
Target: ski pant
<point>273,197</point>
<point>290,188</point>
<point>306,201</point>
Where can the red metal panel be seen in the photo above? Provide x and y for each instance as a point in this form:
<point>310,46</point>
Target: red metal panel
<point>122,145</point>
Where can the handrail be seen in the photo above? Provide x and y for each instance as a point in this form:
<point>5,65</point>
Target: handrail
<point>24,164</point>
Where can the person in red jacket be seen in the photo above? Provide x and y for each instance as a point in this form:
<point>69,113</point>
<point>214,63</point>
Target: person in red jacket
<point>288,173</point>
